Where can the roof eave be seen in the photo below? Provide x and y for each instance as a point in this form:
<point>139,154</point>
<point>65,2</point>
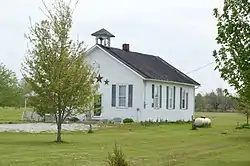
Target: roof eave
<point>173,82</point>
<point>94,34</point>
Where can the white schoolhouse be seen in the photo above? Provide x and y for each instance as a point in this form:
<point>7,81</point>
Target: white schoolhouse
<point>139,86</point>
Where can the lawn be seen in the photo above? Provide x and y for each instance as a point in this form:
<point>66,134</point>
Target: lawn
<point>168,144</point>
<point>10,114</point>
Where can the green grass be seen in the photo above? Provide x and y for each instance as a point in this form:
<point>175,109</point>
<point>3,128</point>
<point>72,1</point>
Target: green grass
<point>10,114</point>
<point>168,144</point>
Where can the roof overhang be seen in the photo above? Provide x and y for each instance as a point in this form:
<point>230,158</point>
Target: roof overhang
<point>172,82</point>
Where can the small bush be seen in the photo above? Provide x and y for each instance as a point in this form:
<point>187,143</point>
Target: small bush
<point>128,120</point>
<point>117,158</point>
<point>244,126</point>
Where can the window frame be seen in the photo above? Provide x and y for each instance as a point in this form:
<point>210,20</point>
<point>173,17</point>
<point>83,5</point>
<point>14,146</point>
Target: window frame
<point>184,99</point>
<point>118,95</point>
<point>156,99</point>
<point>170,98</point>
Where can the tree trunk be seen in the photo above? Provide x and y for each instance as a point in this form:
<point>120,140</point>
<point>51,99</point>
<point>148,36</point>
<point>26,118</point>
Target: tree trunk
<point>247,119</point>
<point>59,128</point>
<point>44,117</point>
<point>90,126</point>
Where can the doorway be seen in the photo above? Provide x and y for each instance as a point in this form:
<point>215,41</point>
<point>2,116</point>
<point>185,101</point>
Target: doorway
<point>98,105</point>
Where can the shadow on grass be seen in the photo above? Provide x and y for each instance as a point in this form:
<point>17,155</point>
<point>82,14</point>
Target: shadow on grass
<point>240,138</point>
<point>34,142</point>
<point>229,163</point>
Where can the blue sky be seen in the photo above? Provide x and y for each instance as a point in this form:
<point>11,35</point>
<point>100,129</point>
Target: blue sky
<point>181,32</point>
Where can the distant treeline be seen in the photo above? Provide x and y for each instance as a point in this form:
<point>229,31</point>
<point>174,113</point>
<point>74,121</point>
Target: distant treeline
<point>215,101</point>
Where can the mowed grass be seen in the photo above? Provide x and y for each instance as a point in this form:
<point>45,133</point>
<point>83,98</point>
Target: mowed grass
<point>10,114</point>
<point>168,144</point>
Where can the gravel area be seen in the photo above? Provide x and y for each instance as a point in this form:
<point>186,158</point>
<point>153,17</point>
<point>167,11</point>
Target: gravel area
<point>43,127</point>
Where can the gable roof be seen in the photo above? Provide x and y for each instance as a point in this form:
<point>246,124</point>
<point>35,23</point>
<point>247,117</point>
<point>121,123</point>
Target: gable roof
<point>149,66</point>
<point>103,32</point>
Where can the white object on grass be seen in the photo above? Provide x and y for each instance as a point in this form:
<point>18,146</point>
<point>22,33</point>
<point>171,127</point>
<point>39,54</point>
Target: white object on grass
<point>202,121</point>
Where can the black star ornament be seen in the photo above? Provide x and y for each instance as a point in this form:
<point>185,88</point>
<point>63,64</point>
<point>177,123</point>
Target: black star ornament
<point>106,82</point>
<point>99,78</point>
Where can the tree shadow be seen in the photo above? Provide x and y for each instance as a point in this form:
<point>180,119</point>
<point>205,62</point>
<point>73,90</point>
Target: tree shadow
<point>232,163</point>
<point>240,138</point>
<point>34,142</point>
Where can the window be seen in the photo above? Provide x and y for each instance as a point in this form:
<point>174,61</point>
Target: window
<point>170,96</point>
<point>183,99</point>
<point>122,95</point>
<point>156,96</point>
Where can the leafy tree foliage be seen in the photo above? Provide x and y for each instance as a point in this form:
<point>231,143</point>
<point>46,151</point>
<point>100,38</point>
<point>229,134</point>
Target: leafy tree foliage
<point>25,91</point>
<point>61,80</point>
<point>233,56</point>
<point>244,107</point>
<point>215,101</point>
<point>9,88</point>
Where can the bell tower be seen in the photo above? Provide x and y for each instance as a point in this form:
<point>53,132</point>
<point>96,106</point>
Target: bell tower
<point>102,37</point>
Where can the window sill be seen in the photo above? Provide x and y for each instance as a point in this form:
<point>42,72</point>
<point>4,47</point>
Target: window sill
<point>121,107</point>
<point>156,108</point>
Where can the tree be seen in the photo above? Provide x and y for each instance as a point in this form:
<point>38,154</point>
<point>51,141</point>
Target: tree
<point>212,100</point>
<point>244,107</point>
<point>9,88</point>
<point>218,101</point>
<point>56,67</point>
<point>25,92</point>
<point>198,102</point>
<point>232,58</point>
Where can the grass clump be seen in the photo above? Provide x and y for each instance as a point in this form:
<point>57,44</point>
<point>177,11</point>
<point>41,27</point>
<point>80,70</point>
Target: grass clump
<point>90,131</point>
<point>162,122</point>
<point>117,158</point>
<point>243,126</point>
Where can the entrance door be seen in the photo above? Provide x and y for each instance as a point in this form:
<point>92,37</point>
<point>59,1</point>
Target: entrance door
<point>98,105</point>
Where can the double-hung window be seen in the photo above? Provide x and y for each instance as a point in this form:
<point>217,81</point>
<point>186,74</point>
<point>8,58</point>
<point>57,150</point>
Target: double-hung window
<point>170,96</point>
<point>156,96</point>
<point>122,95</point>
<point>183,98</point>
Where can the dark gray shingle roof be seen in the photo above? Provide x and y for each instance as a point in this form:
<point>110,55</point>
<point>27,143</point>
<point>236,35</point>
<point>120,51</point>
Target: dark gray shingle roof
<point>149,66</point>
<point>103,32</point>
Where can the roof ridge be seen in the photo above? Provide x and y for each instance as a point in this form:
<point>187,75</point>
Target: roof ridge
<point>145,54</point>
